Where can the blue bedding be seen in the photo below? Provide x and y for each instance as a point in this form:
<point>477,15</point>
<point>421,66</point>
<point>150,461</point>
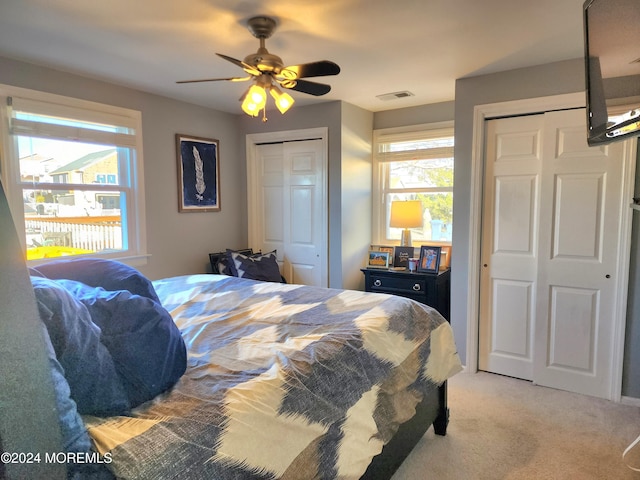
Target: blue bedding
<point>88,366</point>
<point>113,343</point>
<point>146,346</point>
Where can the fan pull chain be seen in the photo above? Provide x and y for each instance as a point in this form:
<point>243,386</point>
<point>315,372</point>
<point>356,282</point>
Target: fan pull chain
<point>264,114</point>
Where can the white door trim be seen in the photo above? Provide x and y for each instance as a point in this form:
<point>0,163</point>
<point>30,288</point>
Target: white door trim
<point>522,107</point>
<point>626,219</point>
<point>251,142</point>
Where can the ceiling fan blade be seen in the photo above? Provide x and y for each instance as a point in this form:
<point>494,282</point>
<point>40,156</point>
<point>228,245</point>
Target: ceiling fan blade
<point>230,79</point>
<point>251,70</point>
<point>313,69</point>
<point>312,88</point>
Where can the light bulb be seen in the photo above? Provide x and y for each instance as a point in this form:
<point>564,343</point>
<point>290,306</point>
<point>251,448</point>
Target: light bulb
<point>283,100</point>
<point>254,100</point>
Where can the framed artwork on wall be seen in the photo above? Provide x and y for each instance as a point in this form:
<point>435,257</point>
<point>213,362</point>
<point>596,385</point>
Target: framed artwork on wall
<point>198,174</point>
<point>429,259</point>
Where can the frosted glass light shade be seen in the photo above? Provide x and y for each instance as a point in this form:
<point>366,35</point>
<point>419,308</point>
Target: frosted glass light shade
<point>282,99</point>
<point>254,100</point>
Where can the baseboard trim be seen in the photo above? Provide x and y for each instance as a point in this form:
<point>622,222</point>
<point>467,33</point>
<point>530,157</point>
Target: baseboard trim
<point>634,402</point>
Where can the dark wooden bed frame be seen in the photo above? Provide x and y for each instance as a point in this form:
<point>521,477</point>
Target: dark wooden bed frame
<point>431,411</point>
<point>28,422</point>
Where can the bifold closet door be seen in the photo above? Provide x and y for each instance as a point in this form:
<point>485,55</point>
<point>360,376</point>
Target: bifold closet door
<point>291,217</point>
<point>551,228</point>
<point>510,231</point>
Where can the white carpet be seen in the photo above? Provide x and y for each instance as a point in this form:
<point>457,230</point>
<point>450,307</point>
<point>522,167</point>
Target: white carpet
<point>504,428</point>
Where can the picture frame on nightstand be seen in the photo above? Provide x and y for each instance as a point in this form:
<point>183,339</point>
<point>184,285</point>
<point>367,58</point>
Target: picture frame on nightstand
<point>445,257</point>
<point>378,259</point>
<point>383,248</point>
<point>401,256</point>
<point>429,259</point>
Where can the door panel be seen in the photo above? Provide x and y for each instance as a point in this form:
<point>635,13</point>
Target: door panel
<point>303,233</point>
<point>578,214</point>
<point>271,200</point>
<point>572,327</point>
<point>515,202</point>
<point>515,300</point>
<point>579,251</point>
<point>291,197</point>
<point>509,246</point>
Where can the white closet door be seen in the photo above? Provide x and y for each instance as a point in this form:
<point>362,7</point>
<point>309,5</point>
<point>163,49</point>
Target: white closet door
<point>578,268</point>
<point>292,216</point>
<point>513,162</point>
<point>551,230</point>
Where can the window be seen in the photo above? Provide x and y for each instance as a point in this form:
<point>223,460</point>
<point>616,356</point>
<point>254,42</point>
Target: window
<point>415,164</point>
<point>73,173</point>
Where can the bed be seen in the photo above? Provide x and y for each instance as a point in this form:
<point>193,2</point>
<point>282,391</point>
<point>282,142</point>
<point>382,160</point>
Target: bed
<point>281,381</point>
<point>214,376</point>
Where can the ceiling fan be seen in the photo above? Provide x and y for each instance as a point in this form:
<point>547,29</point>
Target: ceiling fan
<point>269,73</point>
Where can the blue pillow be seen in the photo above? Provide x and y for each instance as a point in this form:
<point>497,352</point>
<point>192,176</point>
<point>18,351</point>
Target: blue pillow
<point>260,266</point>
<point>220,261</point>
<point>147,347</point>
<point>74,434</point>
<point>88,367</point>
<point>99,272</point>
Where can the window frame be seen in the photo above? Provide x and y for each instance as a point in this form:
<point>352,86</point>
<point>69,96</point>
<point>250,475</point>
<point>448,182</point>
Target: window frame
<point>407,133</point>
<point>133,218</point>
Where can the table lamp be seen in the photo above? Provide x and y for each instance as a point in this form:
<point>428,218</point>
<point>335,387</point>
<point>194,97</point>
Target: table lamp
<point>406,214</point>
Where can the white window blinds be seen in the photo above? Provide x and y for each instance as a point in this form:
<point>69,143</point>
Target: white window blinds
<point>42,119</point>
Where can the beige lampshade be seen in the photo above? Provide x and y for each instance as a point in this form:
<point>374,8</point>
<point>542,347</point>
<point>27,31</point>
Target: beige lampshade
<point>406,214</point>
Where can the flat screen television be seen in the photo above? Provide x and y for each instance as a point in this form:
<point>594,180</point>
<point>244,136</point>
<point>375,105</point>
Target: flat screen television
<point>612,64</point>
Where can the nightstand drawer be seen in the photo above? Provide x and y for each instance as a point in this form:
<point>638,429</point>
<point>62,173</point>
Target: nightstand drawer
<point>380,283</point>
<point>427,288</point>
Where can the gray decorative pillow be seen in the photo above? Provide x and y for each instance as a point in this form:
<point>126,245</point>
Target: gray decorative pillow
<point>259,266</point>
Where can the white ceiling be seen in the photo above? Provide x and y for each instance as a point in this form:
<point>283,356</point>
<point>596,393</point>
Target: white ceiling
<point>382,46</point>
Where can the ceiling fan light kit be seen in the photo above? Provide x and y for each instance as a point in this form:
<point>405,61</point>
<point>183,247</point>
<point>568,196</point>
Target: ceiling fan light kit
<point>283,100</point>
<point>269,73</point>
<point>255,100</point>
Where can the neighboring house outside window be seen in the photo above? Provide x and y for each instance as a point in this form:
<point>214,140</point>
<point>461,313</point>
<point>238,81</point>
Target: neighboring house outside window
<point>72,170</point>
<point>414,163</point>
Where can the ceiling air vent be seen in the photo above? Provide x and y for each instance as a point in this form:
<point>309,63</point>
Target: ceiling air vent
<point>394,96</point>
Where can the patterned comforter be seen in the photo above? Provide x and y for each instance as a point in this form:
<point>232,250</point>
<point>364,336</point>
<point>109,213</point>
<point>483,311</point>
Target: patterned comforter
<point>283,381</point>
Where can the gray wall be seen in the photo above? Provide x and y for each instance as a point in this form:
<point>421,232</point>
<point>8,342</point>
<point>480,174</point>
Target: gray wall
<point>631,370</point>
<point>403,117</point>
<point>349,179</point>
<point>179,243</point>
<point>355,190</point>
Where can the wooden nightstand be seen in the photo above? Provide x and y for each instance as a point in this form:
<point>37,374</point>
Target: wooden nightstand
<point>428,288</point>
